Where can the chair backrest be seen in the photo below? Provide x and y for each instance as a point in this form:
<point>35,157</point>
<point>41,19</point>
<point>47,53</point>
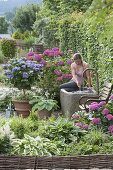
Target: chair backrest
<point>106,91</point>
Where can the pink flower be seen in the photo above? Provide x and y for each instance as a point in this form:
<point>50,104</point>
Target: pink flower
<point>96,121</point>
<point>57,72</point>
<point>67,76</point>
<point>111,97</point>
<point>31,53</point>
<point>94,106</point>
<point>105,112</point>
<point>38,57</point>
<point>102,103</point>
<point>85,126</point>
<point>75,116</point>
<point>82,125</point>
<point>30,57</point>
<point>109,117</point>
<point>43,62</point>
<point>60,63</point>
<point>69,62</point>
<point>78,124</point>
<point>60,78</point>
<point>110,128</point>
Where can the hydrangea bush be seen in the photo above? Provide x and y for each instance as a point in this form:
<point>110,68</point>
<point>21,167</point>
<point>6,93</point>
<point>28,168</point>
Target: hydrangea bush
<point>56,69</point>
<point>22,73</point>
<point>100,116</point>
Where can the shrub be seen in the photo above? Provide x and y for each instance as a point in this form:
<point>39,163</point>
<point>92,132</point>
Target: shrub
<point>55,72</point>
<point>17,35</point>
<point>8,48</point>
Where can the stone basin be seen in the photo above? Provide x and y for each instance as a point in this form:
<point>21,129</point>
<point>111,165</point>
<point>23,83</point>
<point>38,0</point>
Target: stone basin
<point>70,100</point>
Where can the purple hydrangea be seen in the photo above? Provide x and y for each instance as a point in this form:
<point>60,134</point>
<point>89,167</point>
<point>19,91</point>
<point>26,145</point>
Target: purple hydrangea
<point>10,76</point>
<point>57,72</point>
<point>16,69</point>
<point>25,75</point>
<point>102,103</point>
<point>94,106</point>
<point>38,57</point>
<point>82,125</point>
<point>60,63</point>
<point>96,121</point>
<point>31,53</point>
<point>110,129</point>
<point>43,62</point>
<point>69,62</point>
<point>105,112</point>
<point>111,97</point>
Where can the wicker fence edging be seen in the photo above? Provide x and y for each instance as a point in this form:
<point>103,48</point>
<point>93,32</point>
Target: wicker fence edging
<point>64,162</point>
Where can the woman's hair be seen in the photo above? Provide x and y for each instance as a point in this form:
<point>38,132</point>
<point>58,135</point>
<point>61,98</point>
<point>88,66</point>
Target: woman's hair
<point>77,56</point>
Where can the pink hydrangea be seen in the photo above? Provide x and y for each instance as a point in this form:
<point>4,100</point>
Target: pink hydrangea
<point>111,97</point>
<point>109,117</point>
<point>110,128</point>
<point>57,72</point>
<point>75,116</point>
<point>102,103</point>
<point>67,76</point>
<point>85,126</point>
<point>69,62</point>
<point>94,106</point>
<point>31,53</point>
<point>38,57</point>
<point>60,63</point>
<point>105,112</point>
<point>43,62</point>
<point>60,78</point>
<point>82,125</point>
<point>96,121</point>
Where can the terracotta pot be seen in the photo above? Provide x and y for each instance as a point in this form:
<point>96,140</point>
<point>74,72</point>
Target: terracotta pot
<point>44,114</point>
<point>22,108</point>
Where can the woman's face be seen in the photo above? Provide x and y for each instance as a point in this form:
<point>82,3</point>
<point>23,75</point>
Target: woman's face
<point>78,61</point>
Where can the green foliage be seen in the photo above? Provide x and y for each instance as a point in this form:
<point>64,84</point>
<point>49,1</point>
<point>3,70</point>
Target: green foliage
<point>39,103</point>
<point>61,129</point>
<point>34,146</point>
<point>25,17</point>
<point>17,35</point>
<point>2,57</point>
<point>8,48</point>
<point>5,145</point>
<point>3,25</point>
<point>94,142</point>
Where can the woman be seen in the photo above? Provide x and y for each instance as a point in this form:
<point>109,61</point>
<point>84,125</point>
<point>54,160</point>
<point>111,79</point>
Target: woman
<point>77,69</point>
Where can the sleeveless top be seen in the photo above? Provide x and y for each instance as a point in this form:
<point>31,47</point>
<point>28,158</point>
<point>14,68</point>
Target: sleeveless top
<point>79,74</point>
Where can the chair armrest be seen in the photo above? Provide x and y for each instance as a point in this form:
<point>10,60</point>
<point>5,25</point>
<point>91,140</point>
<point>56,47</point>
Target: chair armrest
<point>87,97</point>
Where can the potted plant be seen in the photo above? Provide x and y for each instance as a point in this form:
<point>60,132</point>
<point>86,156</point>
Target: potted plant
<point>22,73</point>
<point>43,106</point>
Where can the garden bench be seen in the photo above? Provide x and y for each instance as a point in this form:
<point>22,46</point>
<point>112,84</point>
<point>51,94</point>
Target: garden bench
<point>102,96</point>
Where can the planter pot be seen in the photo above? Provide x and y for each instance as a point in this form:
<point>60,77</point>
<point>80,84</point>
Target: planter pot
<point>22,108</point>
<point>44,114</point>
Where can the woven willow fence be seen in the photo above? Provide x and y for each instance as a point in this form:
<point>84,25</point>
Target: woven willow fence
<point>78,162</point>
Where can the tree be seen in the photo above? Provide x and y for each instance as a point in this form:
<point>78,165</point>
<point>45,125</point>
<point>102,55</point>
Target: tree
<point>25,17</point>
<point>3,25</point>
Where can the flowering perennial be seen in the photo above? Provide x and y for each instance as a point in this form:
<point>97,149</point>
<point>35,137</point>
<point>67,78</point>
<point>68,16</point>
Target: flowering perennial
<point>22,72</point>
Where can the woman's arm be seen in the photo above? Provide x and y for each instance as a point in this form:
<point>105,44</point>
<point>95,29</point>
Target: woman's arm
<point>74,76</point>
